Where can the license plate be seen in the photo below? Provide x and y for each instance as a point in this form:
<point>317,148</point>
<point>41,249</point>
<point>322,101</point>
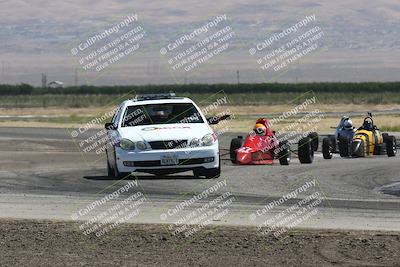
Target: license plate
<point>169,160</point>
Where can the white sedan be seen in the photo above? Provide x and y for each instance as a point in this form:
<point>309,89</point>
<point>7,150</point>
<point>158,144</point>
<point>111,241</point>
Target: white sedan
<point>162,134</point>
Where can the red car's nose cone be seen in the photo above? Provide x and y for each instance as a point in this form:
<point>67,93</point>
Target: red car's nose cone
<point>256,150</point>
<point>243,157</point>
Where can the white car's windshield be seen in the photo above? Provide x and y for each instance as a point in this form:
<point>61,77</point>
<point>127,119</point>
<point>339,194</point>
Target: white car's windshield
<point>161,114</point>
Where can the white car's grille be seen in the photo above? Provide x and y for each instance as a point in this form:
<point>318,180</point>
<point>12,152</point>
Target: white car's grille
<point>168,144</point>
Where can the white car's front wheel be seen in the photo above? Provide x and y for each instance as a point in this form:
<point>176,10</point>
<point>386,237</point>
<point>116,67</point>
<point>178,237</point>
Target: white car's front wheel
<point>209,173</point>
<point>110,171</point>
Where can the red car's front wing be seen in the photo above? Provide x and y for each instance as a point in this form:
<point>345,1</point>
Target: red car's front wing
<point>245,156</point>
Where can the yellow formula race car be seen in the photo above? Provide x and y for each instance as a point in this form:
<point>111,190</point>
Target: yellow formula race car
<point>368,141</point>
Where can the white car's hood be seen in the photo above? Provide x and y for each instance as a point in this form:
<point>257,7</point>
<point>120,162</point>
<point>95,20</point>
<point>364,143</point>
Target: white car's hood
<point>165,132</point>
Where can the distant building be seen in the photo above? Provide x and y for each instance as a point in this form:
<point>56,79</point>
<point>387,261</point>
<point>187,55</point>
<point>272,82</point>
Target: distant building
<point>55,84</point>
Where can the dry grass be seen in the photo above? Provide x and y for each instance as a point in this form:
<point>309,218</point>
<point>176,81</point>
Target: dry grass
<point>274,109</point>
<point>92,111</point>
<point>241,110</point>
<point>36,124</point>
<point>240,124</point>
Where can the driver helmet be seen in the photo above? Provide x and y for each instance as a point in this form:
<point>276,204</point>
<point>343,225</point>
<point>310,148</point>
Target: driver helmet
<point>367,125</point>
<point>160,113</point>
<point>260,129</point>
<point>348,124</point>
<point>265,123</point>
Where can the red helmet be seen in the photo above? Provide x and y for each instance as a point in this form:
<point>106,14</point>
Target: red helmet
<point>265,122</point>
<point>260,129</point>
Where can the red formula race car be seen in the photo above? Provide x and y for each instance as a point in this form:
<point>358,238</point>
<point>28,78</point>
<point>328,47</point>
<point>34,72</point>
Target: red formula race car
<point>261,146</point>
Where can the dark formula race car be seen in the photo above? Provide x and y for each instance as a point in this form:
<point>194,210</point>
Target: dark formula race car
<point>366,141</point>
<point>343,131</point>
<point>262,146</point>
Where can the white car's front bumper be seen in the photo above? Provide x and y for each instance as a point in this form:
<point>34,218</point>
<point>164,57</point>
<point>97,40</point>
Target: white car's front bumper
<point>188,158</point>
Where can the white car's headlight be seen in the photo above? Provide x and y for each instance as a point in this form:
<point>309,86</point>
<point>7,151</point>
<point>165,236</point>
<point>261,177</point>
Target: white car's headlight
<point>195,142</point>
<point>127,144</point>
<point>207,140</point>
<point>141,145</point>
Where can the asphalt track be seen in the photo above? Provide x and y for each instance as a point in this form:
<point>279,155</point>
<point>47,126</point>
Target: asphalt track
<point>43,175</point>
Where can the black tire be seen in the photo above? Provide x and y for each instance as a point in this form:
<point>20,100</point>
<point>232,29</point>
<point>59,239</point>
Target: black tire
<point>314,140</point>
<point>306,151</point>
<point>196,173</point>
<point>385,137</point>
<point>236,143</point>
<point>284,153</point>
<point>110,172</point>
<point>116,173</point>
<point>391,146</point>
<point>332,139</point>
<point>380,149</point>
<point>209,173</point>
<point>343,147</point>
<point>327,148</point>
<point>119,175</point>
<point>213,173</point>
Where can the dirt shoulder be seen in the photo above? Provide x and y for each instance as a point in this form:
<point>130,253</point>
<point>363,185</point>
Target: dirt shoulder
<point>47,243</point>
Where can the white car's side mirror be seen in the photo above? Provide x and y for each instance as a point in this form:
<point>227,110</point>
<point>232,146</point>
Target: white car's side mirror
<point>109,126</point>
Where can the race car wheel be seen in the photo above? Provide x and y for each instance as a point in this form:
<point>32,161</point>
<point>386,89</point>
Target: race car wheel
<point>327,148</point>
<point>314,140</point>
<point>391,147</point>
<point>212,173</point>
<point>236,143</point>
<point>343,147</point>
<point>119,175</point>
<point>380,149</point>
<point>115,172</point>
<point>284,153</point>
<point>385,137</point>
<point>306,151</point>
<point>209,173</point>
<point>332,139</point>
<point>110,172</point>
